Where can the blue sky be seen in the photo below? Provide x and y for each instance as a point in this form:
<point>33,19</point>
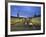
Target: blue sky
<point>25,11</point>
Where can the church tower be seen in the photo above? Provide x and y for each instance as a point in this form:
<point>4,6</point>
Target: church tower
<point>18,14</point>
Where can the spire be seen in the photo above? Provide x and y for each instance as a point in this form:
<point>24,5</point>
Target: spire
<point>18,14</point>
